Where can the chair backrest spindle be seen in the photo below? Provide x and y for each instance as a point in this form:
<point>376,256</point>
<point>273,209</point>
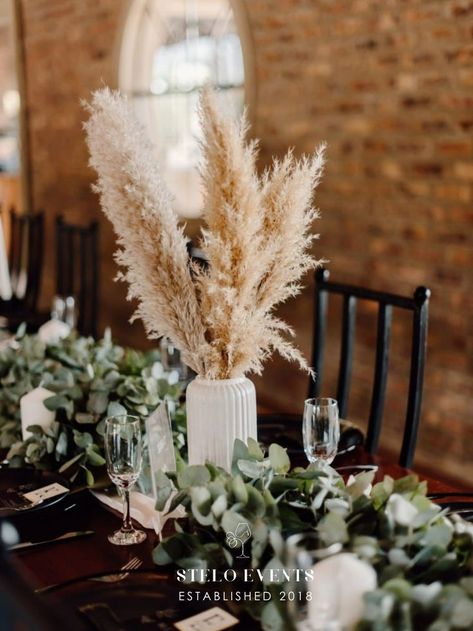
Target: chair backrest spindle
<point>320,323</point>
<point>416,379</point>
<point>380,377</point>
<point>26,257</point>
<point>346,353</point>
<point>77,270</point>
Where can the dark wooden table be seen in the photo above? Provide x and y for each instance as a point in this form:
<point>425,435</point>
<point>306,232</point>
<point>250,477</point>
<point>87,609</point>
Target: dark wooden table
<point>60,562</point>
<point>92,554</point>
<point>67,561</point>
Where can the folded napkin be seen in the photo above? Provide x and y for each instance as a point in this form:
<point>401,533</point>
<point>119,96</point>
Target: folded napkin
<point>142,509</point>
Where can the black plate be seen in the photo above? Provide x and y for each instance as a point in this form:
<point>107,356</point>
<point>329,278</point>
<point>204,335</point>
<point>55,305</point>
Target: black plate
<point>142,600</point>
<point>26,480</point>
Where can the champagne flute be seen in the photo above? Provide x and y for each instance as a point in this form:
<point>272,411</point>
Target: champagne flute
<point>123,454</point>
<point>321,429</point>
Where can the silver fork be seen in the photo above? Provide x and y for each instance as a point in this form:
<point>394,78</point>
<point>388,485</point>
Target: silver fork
<point>134,564</point>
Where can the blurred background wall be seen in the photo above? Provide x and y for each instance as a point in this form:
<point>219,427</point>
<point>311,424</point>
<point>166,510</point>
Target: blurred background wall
<point>389,86</point>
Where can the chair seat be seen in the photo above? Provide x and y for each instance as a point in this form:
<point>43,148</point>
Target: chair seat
<point>286,429</point>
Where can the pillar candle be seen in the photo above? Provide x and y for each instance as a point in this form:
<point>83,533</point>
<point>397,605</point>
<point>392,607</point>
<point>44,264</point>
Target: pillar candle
<point>338,585</point>
<point>53,331</point>
<point>34,412</point>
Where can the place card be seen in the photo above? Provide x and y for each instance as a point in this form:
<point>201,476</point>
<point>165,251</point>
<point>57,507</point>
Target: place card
<point>213,619</point>
<point>46,493</point>
<point>160,443</point>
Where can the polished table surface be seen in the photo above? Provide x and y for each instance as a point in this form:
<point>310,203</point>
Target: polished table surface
<point>60,562</point>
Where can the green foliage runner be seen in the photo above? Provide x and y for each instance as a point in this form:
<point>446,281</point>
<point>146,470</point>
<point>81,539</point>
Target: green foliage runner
<point>422,556</point>
<point>90,381</point>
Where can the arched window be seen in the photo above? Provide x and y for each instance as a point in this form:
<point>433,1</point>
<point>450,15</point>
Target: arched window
<point>169,50</point>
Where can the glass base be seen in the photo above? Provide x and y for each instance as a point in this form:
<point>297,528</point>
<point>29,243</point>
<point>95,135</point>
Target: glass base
<point>127,537</point>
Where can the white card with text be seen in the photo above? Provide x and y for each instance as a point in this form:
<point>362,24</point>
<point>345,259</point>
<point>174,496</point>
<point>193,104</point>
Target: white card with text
<point>214,619</point>
<point>46,492</point>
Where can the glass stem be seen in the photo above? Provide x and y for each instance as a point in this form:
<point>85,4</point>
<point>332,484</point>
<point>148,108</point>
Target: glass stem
<point>127,525</point>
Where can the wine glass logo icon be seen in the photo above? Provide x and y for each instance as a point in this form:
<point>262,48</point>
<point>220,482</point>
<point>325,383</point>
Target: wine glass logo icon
<point>238,538</point>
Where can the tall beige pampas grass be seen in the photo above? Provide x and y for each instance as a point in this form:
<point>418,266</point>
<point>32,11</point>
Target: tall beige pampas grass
<point>153,249</point>
<point>257,238</point>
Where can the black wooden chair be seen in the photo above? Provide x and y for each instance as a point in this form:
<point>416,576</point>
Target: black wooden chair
<point>286,427</point>
<point>77,270</point>
<point>26,265</point>
<point>418,305</point>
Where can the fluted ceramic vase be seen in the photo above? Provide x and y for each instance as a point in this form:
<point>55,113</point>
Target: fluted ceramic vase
<point>218,411</point>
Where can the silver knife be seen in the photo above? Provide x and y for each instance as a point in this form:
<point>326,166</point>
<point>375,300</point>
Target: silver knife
<point>67,535</point>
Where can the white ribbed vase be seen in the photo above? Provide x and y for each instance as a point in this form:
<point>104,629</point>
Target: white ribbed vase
<point>218,411</point>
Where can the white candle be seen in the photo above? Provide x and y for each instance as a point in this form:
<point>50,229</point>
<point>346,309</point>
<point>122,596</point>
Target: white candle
<point>337,591</point>
<point>53,331</point>
<point>34,412</point>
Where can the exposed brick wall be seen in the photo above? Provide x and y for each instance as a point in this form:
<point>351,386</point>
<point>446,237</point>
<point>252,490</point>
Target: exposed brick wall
<point>389,86</point>
<point>70,50</point>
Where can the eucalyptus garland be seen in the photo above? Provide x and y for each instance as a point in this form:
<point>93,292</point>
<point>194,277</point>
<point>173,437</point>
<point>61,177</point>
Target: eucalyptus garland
<point>423,557</point>
<point>90,380</point>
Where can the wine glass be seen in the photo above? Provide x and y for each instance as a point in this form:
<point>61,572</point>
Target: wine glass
<point>123,454</point>
<point>321,429</point>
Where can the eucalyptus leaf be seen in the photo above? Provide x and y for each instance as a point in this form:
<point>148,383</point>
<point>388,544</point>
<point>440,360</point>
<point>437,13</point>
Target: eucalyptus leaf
<point>88,475</point>
<point>333,529</point>
<point>201,498</point>
<point>239,489</point>
<point>116,409</point>
<point>83,439</point>
<point>98,402</point>
<point>254,450</point>
<point>62,444</point>
<point>240,452</point>
<point>94,458</point>
<point>56,402</point>
<point>279,459</point>
<point>219,506</point>
<point>193,475</point>
<point>67,465</point>
<point>250,468</point>
<point>160,556</point>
